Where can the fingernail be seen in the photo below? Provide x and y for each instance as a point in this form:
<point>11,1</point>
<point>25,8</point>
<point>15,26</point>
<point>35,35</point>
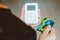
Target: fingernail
<point>49,26</point>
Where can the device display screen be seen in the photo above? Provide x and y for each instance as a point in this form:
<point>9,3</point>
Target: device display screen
<point>31,7</point>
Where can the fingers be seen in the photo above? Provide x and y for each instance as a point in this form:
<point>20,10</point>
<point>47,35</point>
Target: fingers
<point>22,13</point>
<point>39,16</point>
<point>48,34</point>
<point>52,33</point>
<point>47,30</point>
<point>23,10</point>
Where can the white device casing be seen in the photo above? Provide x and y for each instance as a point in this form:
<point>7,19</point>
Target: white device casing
<point>31,16</point>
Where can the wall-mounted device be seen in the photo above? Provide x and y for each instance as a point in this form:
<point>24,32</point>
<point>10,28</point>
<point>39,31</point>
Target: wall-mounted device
<point>31,13</point>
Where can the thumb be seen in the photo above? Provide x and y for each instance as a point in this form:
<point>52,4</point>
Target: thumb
<point>47,30</point>
<point>22,13</point>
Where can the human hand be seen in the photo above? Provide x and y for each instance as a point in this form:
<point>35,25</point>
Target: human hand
<point>22,17</point>
<point>48,34</point>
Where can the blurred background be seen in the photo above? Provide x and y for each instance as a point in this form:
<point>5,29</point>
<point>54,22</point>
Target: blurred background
<point>48,8</point>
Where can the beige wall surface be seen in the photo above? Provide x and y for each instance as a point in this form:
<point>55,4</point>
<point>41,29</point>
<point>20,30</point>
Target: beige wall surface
<point>49,9</point>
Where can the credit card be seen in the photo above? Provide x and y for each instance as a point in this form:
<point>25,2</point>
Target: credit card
<point>45,22</point>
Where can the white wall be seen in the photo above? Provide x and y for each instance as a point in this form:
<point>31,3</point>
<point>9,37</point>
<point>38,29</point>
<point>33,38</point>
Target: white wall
<point>49,9</point>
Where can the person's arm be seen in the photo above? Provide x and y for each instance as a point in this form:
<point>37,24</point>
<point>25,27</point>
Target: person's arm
<point>17,29</point>
<point>46,35</point>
